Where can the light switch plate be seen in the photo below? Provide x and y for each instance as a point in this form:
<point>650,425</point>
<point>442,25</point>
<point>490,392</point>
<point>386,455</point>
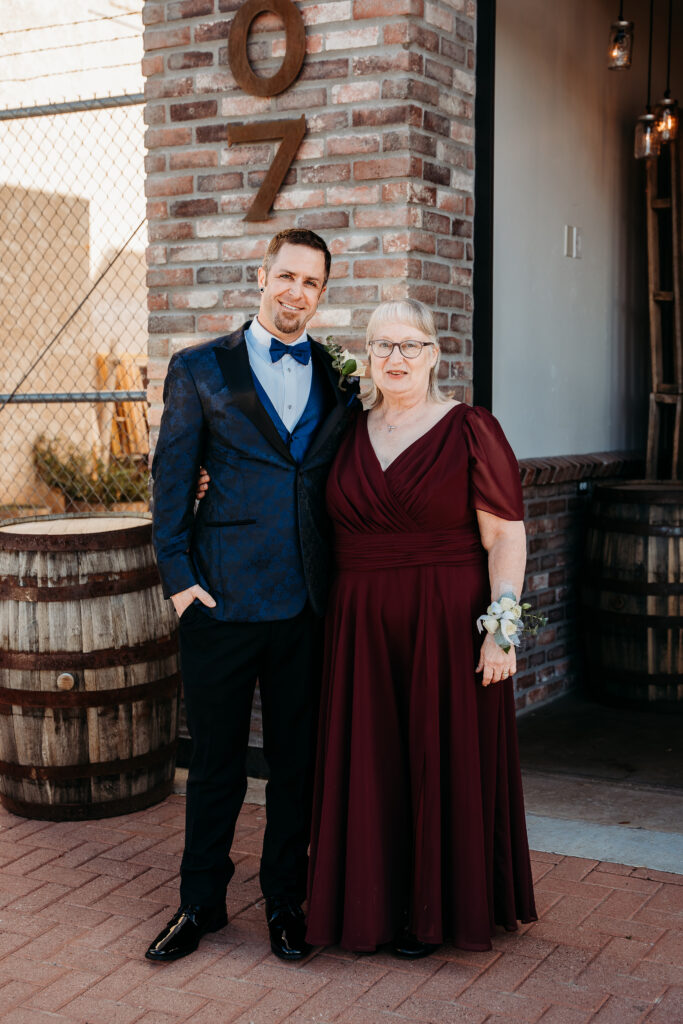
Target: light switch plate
<point>578,244</point>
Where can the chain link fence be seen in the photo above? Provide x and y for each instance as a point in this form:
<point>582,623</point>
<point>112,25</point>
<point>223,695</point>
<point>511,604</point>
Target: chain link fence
<point>73,300</point>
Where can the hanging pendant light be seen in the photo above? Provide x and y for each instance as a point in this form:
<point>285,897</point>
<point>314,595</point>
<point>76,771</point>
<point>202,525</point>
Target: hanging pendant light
<point>620,49</point>
<point>667,118</point>
<point>666,111</point>
<point>647,141</point>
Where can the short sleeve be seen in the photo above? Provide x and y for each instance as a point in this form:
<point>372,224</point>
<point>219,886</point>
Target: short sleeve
<point>493,471</point>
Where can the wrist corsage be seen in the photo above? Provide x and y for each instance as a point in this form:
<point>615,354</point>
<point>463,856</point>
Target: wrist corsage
<point>508,621</point>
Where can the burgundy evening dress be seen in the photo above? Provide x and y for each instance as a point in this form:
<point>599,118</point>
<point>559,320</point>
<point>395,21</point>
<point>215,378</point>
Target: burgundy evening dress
<point>418,811</point>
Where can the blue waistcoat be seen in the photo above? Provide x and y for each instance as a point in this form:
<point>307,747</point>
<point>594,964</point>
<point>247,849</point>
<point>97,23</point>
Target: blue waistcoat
<point>298,442</point>
<point>300,438</point>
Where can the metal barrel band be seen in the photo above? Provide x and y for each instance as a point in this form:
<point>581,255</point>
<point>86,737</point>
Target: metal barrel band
<point>637,620</point>
<point>595,581</point>
<point>165,687</point>
<point>634,526</point>
<point>84,811</point>
<point>637,493</point>
<point>62,772</point>
<point>125,583</point>
<point>106,540</point>
<point>103,657</point>
<point>640,679</point>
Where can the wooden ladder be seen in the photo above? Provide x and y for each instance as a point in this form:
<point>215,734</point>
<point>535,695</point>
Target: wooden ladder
<point>665,425</point>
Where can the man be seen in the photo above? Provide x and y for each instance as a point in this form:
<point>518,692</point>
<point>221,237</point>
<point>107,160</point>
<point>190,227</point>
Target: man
<point>263,410</point>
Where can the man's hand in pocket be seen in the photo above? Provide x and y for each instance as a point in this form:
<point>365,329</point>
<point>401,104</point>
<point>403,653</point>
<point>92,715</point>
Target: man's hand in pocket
<point>203,481</point>
<point>184,598</point>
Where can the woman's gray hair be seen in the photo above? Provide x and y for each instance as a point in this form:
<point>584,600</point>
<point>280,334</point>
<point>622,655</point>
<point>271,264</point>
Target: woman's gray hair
<point>414,314</point>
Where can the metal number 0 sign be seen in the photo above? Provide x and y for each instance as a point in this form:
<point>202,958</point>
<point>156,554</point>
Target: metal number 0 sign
<point>290,131</point>
<point>295,47</point>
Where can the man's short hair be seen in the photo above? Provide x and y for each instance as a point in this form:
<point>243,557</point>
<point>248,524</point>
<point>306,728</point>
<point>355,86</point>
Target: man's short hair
<point>296,236</point>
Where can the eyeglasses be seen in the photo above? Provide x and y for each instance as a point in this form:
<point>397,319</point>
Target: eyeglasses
<point>409,349</point>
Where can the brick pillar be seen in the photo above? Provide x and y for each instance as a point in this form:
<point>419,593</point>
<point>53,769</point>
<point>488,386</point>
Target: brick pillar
<point>385,171</point>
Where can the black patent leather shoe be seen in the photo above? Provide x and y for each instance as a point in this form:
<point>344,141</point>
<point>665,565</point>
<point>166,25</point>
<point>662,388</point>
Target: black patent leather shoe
<point>406,946</point>
<point>182,933</point>
<point>287,928</point>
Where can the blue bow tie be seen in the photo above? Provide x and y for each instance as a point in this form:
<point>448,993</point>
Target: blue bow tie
<point>300,352</point>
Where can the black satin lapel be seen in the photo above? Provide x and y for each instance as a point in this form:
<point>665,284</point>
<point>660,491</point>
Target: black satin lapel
<point>336,414</point>
<point>234,365</point>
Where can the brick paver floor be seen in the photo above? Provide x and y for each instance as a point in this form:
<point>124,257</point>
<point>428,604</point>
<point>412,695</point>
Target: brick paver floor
<point>79,903</point>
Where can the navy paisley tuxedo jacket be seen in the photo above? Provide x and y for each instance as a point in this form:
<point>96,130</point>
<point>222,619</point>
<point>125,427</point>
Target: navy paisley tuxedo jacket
<point>260,539</point>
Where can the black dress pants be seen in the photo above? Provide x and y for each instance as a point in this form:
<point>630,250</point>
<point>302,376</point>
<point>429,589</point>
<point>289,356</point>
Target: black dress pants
<point>220,662</point>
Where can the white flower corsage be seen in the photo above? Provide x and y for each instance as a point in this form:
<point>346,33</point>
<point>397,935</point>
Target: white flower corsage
<point>503,620</point>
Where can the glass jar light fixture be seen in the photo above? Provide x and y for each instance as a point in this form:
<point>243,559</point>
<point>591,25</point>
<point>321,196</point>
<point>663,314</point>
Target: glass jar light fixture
<point>667,118</point>
<point>620,49</point>
<point>666,111</point>
<point>647,141</point>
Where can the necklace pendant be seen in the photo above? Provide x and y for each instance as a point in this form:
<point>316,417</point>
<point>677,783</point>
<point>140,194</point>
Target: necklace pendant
<point>390,428</point>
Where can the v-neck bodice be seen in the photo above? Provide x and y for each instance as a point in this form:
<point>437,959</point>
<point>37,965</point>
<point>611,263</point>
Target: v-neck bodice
<point>461,464</point>
<point>416,441</point>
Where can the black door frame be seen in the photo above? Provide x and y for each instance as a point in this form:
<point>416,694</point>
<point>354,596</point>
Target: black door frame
<point>482,281</point>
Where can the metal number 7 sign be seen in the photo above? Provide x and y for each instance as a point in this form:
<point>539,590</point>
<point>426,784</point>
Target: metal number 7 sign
<point>291,132</point>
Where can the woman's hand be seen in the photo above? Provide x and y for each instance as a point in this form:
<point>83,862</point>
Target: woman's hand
<point>495,663</point>
<point>202,483</point>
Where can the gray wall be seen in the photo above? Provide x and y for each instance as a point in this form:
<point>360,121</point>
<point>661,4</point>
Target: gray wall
<point>570,343</point>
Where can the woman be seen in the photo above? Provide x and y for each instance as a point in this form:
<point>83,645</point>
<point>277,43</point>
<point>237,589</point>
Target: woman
<point>418,823</point>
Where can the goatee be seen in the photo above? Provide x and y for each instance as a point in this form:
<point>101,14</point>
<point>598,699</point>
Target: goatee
<point>287,327</point>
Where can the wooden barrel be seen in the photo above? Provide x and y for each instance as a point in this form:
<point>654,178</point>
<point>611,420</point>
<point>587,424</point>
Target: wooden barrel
<point>632,595</point>
<point>88,669</point>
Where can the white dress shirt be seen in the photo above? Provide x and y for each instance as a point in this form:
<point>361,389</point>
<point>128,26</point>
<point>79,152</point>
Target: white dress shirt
<point>286,382</point>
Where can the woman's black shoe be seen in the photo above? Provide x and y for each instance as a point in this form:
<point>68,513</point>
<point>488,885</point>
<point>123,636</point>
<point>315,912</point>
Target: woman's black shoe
<point>183,932</point>
<point>408,947</point>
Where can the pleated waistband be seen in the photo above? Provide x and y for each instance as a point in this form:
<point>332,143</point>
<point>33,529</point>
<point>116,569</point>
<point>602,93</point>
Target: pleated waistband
<point>368,551</point>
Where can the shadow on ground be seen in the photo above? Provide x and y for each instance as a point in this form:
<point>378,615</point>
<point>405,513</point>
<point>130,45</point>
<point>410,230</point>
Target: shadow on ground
<point>575,736</point>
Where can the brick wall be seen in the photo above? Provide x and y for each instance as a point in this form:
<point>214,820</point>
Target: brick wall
<point>385,171</point>
<point>557,493</point>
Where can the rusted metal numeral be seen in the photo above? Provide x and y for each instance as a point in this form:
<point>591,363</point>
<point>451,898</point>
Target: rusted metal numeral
<point>291,132</point>
<point>295,47</point>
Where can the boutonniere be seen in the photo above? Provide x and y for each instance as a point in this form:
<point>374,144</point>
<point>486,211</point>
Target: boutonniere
<point>342,361</point>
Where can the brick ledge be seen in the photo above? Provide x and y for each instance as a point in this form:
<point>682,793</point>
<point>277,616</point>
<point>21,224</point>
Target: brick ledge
<point>558,469</point>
